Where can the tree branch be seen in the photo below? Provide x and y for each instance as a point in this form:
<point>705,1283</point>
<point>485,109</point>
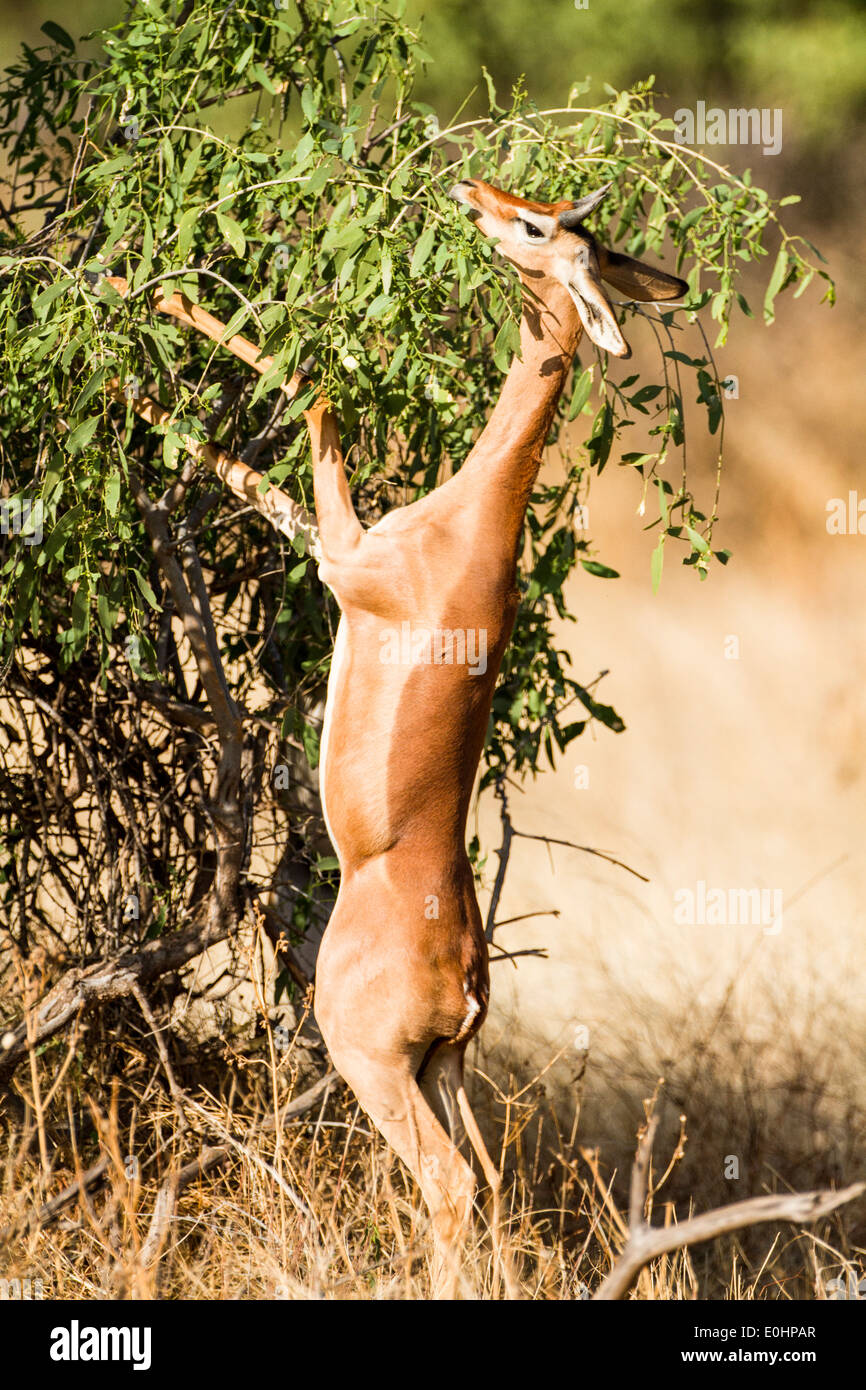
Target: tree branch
<point>645,1242</point>
<point>277,508</point>
<point>79,989</point>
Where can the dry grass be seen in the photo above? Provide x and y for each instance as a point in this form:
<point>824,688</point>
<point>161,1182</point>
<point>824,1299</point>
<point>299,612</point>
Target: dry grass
<point>321,1211</point>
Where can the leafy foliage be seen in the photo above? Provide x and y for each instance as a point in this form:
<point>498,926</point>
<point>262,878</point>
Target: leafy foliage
<point>272,162</point>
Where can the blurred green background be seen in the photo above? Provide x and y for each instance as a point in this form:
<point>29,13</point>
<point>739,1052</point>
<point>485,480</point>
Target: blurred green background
<point>806,56</point>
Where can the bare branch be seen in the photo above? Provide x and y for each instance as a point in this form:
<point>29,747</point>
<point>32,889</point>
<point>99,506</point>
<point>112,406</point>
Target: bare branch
<point>80,989</point>
<point>166,1198</point>
<point>585,849</point>
<point>177,711</point>
<point>640,1174</point>
<point>277,508</point>
<point>645,1243</point>
<point>504,854</point>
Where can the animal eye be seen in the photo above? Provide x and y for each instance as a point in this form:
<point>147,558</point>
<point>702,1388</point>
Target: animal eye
<point>531,230</point>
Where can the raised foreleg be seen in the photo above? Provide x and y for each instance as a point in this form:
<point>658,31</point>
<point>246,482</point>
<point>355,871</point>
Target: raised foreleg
<point>340,530</point>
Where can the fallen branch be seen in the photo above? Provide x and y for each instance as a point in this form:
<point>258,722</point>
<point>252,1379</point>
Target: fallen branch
<point>166,1199</point>
<point>649,1242</point>
<point>208,1160</point>
<point>645,1243</point>
<point>81,988</point>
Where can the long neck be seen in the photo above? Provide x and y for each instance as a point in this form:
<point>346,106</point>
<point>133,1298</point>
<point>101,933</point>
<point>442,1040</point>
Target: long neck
<point>507,453</point>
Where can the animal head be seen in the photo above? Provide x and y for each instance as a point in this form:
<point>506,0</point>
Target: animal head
<point>550,239</point>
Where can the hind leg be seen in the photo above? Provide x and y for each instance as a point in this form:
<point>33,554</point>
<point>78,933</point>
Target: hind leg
<point>393,1100</point>
<point>443,1085</point>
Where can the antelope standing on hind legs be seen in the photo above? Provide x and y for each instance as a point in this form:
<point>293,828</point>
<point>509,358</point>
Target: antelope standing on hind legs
<point>402,976</point>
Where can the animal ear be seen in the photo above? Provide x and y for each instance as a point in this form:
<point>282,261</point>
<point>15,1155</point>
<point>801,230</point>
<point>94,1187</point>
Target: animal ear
<point>594,307</point>
<point>639,281</point>
<point>573,216</point>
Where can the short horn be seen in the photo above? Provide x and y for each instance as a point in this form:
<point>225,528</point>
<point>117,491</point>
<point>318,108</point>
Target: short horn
<point>573,216</point>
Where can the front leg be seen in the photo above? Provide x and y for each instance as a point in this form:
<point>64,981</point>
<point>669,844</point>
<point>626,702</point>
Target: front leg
<point>340,531</point>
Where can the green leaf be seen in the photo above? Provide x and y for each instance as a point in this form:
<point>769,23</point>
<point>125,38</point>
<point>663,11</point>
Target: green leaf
<point>66,524</point>
<point>112,492</point>
<point>310,740</point>
<point>646,393</point>
<point>91,387</point>
<point>185,232</point>
<point>599,446</point>
<point>506,344</point>
<point>423,247</point>
<point>190,165</point>
<point>657,560</point>
<point>693,217</point>
<point>780,270</point>
<point>606,713</point>
<point>172,444</point>
<point>697,541</point>
<point>232,232</point>
<point>81,436</point>
<point>106,614</point>
<point>146,591</point>
<point>684,357</point>
<point>53,292</point>
<point>663,505</point>
<point>245,56</point>
<point>379,306</point>
<point>491,90</point>
<point>258,72</point>
<point>580,394</point>
<point>385,267</point>
<point>318,178</point>
<point>602,571</point>
<point>59,35</point>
